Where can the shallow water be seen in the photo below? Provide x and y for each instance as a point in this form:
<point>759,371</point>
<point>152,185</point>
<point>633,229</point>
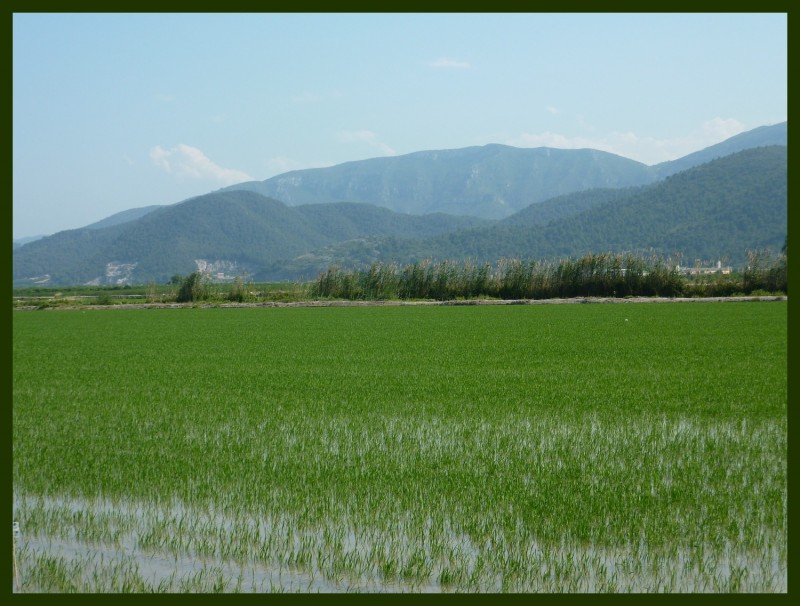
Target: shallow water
<point>180,567</point>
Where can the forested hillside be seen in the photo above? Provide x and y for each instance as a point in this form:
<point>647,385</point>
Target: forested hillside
<point>241,231</point>
<point>718,210</point>
<point>763,136</point>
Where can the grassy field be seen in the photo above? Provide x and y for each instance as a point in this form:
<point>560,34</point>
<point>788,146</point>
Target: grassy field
<point>507,448</point>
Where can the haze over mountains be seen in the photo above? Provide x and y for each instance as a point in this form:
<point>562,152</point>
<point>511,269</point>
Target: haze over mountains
<point>482,203</point>
<point>492,181</point>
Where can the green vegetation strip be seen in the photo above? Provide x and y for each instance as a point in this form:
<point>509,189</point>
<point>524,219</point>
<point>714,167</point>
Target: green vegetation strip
<point>525,448</point>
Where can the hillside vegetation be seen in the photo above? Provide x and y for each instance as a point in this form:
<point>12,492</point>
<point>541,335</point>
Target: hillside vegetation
<point>718,210</point>
<point>554,204</point>
<point>242,229</point>
<point>763,136</point>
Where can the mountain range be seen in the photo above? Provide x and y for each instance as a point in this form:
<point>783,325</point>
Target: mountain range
<point>481,203</point>
<point>493,181</point>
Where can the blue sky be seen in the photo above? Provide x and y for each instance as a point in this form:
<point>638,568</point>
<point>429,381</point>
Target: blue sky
<point>118,111</point>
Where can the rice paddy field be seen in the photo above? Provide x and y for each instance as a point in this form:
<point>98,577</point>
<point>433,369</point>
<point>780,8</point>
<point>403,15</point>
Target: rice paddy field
<point>515,448</point>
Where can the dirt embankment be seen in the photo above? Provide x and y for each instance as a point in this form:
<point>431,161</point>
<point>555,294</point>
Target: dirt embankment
<point>583,300</point>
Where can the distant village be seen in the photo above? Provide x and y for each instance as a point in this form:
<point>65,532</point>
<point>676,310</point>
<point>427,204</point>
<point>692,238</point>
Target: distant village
<point>697,270</point>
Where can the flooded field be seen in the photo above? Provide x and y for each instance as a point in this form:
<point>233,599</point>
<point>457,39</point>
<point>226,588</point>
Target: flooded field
<point>109,547</point>
<point>416,449</point>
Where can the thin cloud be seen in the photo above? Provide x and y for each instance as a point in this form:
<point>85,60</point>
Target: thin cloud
<point>368,137</point>
<point>648,150</point>
<point>553,110</point>
<point>447,63</point>
<point>187,161</point>
<point>721,128</point>
<point>626,144</point>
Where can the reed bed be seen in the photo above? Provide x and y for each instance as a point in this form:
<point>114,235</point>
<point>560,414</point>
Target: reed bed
<point>592,275</point>
<point>536,449</point>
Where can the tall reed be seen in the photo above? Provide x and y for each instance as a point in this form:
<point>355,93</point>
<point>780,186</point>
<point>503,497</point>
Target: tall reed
<point>593,275</point>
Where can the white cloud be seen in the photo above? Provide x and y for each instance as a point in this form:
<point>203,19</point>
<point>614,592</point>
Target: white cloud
<point>447,63</point>
<point>552,110</point>
<point>721,128</point>
<point>649,150</point>
<point>365,136</point>
<point>187,161</point>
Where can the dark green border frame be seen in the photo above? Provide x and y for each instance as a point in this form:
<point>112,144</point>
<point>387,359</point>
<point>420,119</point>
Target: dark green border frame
<point>510,6</point>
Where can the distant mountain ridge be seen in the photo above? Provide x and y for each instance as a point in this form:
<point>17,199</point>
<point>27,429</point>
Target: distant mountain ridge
<point>716,210</point>
<point>776,134</point>
<point>124,217</point>
<point>228,233</point>
<point>734,202</point>
<point>22,241</point>
<point>493,181</point>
